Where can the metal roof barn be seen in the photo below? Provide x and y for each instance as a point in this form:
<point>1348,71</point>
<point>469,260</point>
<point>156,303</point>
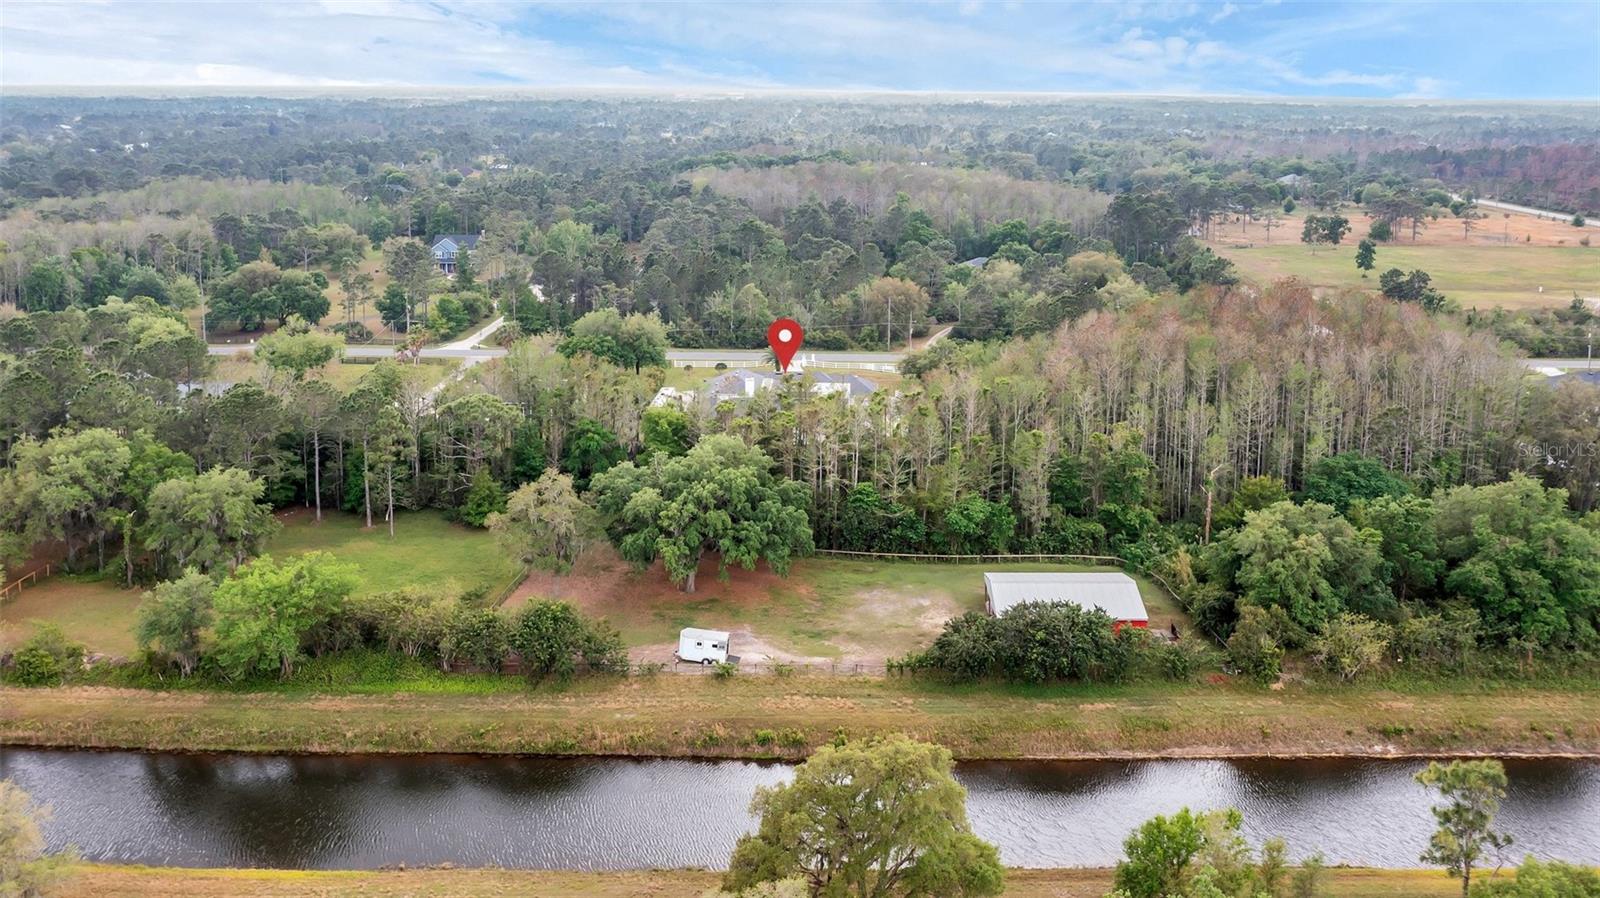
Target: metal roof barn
<point>1114,593</point>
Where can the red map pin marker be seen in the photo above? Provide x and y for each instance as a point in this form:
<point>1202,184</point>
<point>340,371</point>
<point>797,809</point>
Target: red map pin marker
<point>784,337</point>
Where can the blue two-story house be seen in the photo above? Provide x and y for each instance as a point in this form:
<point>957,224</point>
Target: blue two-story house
<point>447,246</point>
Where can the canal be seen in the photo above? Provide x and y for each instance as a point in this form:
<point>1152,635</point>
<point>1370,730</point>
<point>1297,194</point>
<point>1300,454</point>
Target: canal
<point>610,813</point>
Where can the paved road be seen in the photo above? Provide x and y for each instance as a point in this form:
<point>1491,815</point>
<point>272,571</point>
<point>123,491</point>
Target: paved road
<point>706,357</point>
<point>472,340</point>
<point>1529,210</point>
<point>468,351</point>
<point>369,351</point>
<point>1567,364</point>
<point>676,356</point>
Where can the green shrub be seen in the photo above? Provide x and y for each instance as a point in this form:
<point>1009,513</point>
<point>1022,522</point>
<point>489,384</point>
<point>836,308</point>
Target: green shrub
<point>1350,645</point>
<point>36,667</point>
<point>1183,659</point>
<point>552,637</point>
<point>1444,641</point>
<point>484,497</point>
<point>474,637</point>
<point>46,657</point>
<point>723,670</point>
<point>1536,879</point>
<point>1034,642</point>
<point>1253,648</point>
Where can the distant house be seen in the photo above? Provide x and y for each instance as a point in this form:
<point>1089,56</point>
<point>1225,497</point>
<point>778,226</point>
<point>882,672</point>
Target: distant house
<point>745,383</point>
<point>672,397</point>
<point>976,262</point>
<point>212,388</point>
<point>1114,593</point>
<point>446,247</point>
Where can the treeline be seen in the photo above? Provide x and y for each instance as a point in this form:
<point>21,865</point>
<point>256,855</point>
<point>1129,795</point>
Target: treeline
<point>959,201</point>
<point>1364,573</point>
<point>717,274</point>
<point>1542,333</point>
<point>123,142</point>
<point>1076,441</point>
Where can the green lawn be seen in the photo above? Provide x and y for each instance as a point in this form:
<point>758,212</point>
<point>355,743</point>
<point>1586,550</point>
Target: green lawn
<point>827,608</point>
<point>94,611</point>
<point>1475,276</point>
<point>426,551</point>
<point>342,375</point>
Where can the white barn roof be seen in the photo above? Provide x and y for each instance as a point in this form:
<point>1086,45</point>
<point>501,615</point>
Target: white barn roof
<point>1114,593</point>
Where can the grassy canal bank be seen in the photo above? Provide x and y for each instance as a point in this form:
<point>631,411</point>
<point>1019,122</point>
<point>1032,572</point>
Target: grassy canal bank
<point>777,717</point>
<point>105,881</point>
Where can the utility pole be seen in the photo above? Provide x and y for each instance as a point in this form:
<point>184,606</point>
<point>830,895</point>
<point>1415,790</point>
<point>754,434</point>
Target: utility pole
<point>888,323</point>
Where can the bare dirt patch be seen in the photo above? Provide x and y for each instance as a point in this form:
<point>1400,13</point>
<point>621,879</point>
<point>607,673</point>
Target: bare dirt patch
<point>814,617</point>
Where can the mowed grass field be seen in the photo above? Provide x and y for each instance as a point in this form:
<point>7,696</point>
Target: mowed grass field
<point>95,611</point>
<point>343,376</point>
<point>766,716</point>
<point>426,551</point>
<point>1479,277</point>
<point>1501,263</point>
<point>106,881</point>
<point>825,610</point>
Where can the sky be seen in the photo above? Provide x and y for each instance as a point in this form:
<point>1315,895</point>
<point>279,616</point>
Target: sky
<point>1455,50</point>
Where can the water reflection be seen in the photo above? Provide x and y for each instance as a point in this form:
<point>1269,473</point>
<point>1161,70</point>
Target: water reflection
<point>363,812</point>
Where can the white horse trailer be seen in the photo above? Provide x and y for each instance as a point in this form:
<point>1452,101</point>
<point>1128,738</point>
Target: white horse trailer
<point>698,646</point>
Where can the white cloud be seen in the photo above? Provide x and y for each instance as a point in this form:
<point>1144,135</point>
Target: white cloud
<point>1163,47</point>
<point>348,42</point>
<point>1425,88</point>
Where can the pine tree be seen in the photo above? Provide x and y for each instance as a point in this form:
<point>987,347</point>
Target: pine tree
<point>484,497</point>
<point>1366,256</point>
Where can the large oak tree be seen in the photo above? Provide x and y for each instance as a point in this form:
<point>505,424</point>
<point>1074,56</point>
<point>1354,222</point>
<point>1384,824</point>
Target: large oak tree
<point>720,497</point>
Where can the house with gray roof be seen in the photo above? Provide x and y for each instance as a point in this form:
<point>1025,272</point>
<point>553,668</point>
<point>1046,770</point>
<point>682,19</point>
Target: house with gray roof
<point>744,384</point>
<point>446,247</point>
